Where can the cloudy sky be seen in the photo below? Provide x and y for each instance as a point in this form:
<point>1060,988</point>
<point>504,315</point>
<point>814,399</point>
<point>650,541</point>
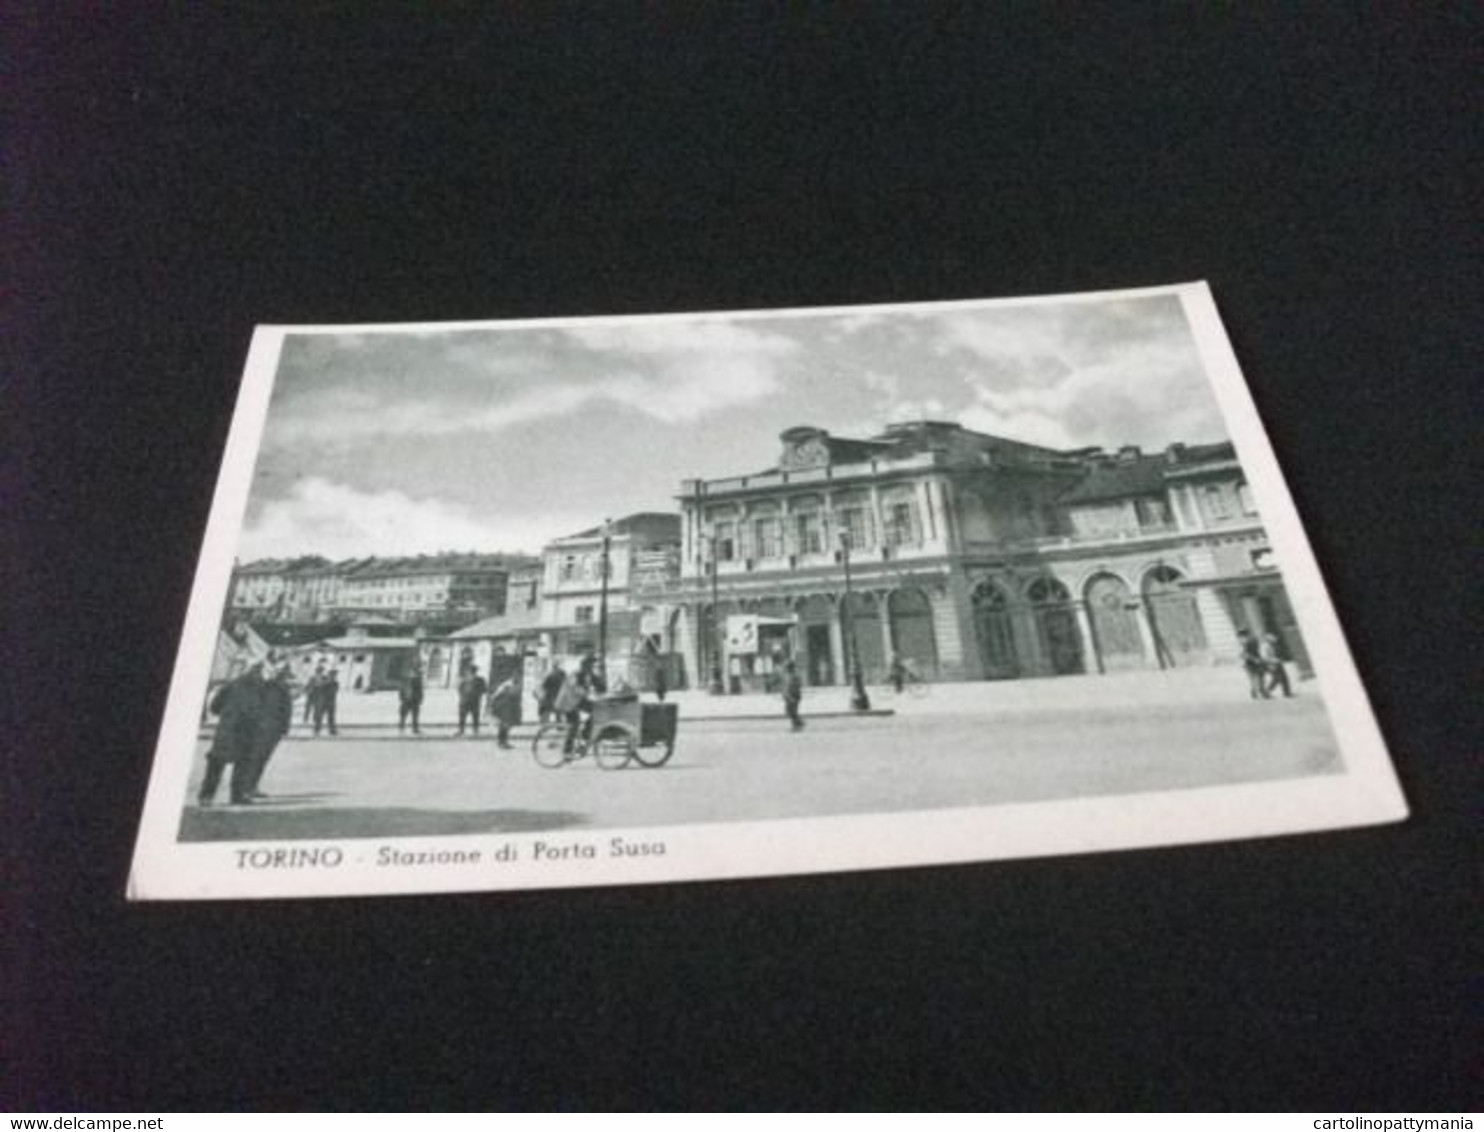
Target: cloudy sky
<point>404,443</point>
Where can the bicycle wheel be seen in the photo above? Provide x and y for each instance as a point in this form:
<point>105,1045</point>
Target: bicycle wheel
<point>550,746</point>
<point>656,755</point>
<point>613,747</point>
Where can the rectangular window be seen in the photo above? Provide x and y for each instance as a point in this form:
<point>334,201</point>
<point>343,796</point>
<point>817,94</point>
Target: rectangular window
<point>1216,503</point>
<point>853,527</point>
<point>584,615</point>
<point>901,524</point>
<point>1153,512</point>
<point>1244,497</point>
<point>568,569</point>
<point>765,538</point>
<point>808,533</point>
<point>725,544</point>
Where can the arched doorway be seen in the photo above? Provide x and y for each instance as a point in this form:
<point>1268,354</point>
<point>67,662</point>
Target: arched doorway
<point>1115,623</point>
<point>1179,634</point>
<point>995,633</point>
<point>912,637</point>
<point>865,633</point>
<point>1056,624</point>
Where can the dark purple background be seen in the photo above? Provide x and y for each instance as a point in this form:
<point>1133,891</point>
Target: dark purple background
<point>171,182</point>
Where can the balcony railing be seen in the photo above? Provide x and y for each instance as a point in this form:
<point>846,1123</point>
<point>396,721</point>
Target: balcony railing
<point>796,476</point>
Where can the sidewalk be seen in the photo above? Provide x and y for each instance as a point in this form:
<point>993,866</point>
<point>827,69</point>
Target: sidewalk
<point>1060,695</point>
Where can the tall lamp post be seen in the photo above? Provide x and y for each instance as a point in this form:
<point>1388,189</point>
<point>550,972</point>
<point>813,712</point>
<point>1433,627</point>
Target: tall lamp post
<point>718,688</point>
<point>859,701</point>
<point>603,601</point>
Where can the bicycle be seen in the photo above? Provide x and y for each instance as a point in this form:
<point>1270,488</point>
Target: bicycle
<point>621,730</point>
<point>912,685</point>
<point>609,748</point>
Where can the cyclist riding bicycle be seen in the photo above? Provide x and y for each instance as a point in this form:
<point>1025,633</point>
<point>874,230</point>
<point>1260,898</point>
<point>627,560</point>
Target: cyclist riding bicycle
<point>900,672</point>
<point>575,700</point>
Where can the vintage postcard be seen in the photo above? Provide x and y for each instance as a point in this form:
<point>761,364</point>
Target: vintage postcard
<point>630,600</point>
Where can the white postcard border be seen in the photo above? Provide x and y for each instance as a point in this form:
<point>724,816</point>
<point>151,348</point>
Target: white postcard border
<point>1366,792</point>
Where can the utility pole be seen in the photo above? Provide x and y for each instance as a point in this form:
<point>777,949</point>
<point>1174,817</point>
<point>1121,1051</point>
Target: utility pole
<point>603,602</point>
<point>859,701</point>
<point>718,688</point>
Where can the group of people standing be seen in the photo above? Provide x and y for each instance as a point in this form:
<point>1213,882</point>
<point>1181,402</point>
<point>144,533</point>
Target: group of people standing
<point>321,692</point>
<point>474,698</point>
<point>254,712</point>
<point>1262,661</point>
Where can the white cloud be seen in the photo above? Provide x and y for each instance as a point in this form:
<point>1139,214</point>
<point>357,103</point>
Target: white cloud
<point>341,417</point>
<point>331,519</point>
<point>1053,381</point>
<point>673,372</point>
<point>1029,427</point>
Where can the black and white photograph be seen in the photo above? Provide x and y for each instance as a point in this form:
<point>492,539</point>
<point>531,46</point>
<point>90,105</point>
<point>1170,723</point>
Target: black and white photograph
<point>623,600</point>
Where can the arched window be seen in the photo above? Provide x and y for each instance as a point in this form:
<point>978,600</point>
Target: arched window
<point>995,632</point>
<point>1115,620</point>
<point>1175,618</point>
<point>1056,625</point>
<point>1047,591</point>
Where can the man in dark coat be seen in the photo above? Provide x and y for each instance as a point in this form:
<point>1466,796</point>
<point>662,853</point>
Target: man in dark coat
<point>324,701</point>
<point>243,710</point>
<point>793,694</point>
<point>311,692</point>
<point>410,700</point>
<point>277,718</point>
<point>551,687</point>
<point>1252,665</point>
<point>472,689</point>
<point>505,708</point>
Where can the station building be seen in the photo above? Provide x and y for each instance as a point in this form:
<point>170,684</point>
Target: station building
<point>973,556</point>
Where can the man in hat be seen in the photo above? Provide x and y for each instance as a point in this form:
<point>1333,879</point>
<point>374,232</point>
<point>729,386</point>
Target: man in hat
<point>327,691</point>
<point>242,707</point>
<point>276,716</point>
<point>472,689</point>
<point>505,708</point>
<point>793,694</point>
<point>410,700</point>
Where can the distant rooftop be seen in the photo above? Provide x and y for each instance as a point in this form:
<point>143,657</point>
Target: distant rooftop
<point>658,526</point>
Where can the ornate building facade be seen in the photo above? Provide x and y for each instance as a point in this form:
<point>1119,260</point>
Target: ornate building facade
<point>974,556</point>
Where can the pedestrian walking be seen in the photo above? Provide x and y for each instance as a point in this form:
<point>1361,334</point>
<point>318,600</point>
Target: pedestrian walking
<point>793,694</point>
<point>551,687</point>
<point>897,673</point>
<point>311,692</point>
<point>324,702</point>
<point>410,700</point>
<point>472,689</point>
<point>1252,665</point>
<point>505,709</point>
<point>1275,675</point>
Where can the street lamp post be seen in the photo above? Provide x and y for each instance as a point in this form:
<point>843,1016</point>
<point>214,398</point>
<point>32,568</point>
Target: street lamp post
<point>859,701</point>
<point>603,601</point>
<point>717,687</point>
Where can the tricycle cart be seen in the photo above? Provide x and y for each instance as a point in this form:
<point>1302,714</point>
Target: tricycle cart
<point>624,730</point>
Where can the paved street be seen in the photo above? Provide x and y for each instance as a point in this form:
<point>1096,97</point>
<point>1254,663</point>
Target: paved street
<point>963,745</point>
